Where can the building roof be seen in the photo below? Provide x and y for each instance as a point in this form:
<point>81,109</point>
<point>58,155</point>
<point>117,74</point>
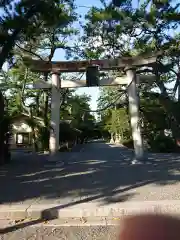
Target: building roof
<point>25,116</point>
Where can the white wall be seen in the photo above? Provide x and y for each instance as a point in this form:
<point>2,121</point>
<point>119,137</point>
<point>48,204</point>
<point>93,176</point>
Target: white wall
<point>19,126</point>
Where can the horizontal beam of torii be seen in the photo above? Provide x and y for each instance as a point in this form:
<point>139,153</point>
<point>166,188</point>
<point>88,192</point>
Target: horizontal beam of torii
<point>41,84</point>
<point>80,66</point>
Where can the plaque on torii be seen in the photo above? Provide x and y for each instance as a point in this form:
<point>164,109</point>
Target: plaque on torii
<point>128,64</point>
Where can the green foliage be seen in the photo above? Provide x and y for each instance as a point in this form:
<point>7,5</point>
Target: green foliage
<point>124,30</point>
<point>37,28</point>
<point>128,143</point>
<point>81,118</point>
<point>119,121</point>
<point>114,119</point>
<point>163,144</point>
<point>24,21</point>
<point>31,102</point>
<point>154,118</point>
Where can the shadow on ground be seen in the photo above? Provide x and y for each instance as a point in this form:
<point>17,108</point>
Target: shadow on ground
<point>98,173</point>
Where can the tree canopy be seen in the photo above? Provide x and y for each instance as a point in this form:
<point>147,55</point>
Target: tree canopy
<point>118,29</point>
<point>30,29</point>
<point>23,21</point>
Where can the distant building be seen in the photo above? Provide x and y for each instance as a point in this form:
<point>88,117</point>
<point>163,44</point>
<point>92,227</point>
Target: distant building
<point>22,133</point>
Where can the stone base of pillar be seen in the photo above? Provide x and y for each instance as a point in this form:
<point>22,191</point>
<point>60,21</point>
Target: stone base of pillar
<point>136,162</point>
<point>143,160</point>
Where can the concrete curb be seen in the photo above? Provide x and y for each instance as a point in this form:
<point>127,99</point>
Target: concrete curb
<point>89,211</point>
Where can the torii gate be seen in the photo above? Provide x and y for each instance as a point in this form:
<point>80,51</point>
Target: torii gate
<point>128,64</point>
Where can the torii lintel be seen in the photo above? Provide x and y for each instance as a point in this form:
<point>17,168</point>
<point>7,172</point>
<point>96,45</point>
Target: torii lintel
<point>80,66</point>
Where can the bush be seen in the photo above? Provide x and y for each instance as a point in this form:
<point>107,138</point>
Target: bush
<point>4,133</point>
<point>163,144</point>
<point>128,143</point>
<point>5,155</point>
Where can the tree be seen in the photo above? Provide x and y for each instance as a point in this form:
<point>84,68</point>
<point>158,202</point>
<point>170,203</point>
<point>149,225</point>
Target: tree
<point>4,132</point>
<point>24,20</point>
<point>52,38</point>
<point>21,23</point>
<point>81,116</point>
<point>21,99</point>
<point>122,30</point>
<point>114,117</point>
<point>49,32</point>
<point>155,121</point>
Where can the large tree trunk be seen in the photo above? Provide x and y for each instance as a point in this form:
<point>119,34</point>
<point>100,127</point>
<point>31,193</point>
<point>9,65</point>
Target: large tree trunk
<point>1,130</point>
<point>7,48</point>
<point>112,138</point>
<point>9,44</point>
<point>46,121</point>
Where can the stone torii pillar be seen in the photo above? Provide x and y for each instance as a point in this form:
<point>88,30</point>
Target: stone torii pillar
<point>55,113</point>
<point>134,114</point>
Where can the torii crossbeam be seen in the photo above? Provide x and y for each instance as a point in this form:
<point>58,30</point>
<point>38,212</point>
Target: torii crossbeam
<point>81,66</point>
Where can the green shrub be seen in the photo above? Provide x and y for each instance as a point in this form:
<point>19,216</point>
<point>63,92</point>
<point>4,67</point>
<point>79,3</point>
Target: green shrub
<point>128,143</point>
<point>163,144</point>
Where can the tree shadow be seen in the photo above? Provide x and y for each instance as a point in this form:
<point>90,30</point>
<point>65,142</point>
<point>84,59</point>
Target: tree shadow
<point>101,173</point>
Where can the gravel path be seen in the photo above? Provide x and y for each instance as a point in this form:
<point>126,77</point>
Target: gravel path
<point>98,170</point>
<point>63,233</point>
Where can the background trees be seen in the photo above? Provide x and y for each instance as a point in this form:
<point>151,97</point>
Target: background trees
<point>115,118</point>
<point>25,20</point>
<point>126,29</point>
<point>37,29</point>
<point>20,99</point>
<point>28,28</point>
